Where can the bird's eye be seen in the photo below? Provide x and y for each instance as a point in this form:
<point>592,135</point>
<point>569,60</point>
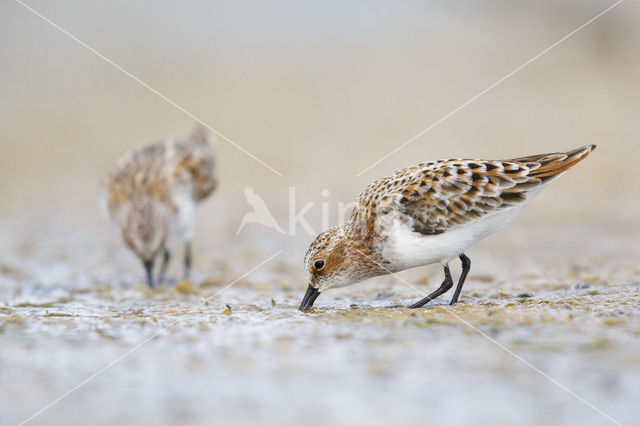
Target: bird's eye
<point>318,264</point>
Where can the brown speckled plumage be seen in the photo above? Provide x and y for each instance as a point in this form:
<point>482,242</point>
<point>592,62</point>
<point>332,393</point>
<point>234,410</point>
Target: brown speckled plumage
<point>435,210</point>
<point>444,194</point>
<point>159,168</point>
<point>151,192</point>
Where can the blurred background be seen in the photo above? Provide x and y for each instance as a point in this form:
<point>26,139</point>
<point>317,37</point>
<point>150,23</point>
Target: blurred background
<point>319,91</point>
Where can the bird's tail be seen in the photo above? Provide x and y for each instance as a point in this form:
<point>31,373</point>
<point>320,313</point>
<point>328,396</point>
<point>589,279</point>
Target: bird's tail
<point>200,134</point>
<point>547,166</point>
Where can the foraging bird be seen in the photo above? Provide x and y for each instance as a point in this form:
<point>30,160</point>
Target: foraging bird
<point>151,194</point>
<point>429,213</point>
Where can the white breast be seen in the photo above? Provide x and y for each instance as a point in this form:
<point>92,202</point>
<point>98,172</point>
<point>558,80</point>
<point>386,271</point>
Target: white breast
<point>184,221</point>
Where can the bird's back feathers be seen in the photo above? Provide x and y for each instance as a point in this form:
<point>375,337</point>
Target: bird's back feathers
<point>442,195</point>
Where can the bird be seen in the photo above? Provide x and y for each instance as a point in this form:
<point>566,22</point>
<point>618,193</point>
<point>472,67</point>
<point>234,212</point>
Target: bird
<point>151,195</point>
<point>428,214</point>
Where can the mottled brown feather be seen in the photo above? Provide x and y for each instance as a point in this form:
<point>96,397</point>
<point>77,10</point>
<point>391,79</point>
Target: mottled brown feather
<point>441,195</point>
<point>157,169</point>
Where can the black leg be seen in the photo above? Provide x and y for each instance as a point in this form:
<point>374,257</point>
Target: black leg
<point>444,287</point>
<point>148,266</point>
<point>466,267</point>
<point>166,256</point>
<point>187,259</point>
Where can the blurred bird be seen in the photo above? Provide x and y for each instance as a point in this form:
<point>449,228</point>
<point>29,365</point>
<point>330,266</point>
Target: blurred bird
<point>151,194</point>
<point>429,213</point>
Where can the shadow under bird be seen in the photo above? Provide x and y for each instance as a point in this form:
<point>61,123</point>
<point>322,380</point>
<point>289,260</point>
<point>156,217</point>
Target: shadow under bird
<point>426,214</point>
<point>151,194</point>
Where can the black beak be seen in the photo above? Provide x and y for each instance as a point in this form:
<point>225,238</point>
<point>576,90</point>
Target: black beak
<point>309,297</point>
<point>148,266</point>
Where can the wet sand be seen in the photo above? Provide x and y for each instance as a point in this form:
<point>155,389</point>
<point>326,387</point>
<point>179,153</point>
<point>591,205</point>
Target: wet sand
<point>197,352</point>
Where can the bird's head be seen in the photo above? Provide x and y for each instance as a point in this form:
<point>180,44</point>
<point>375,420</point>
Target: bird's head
<point>146,228</point>
<point>335,260</point>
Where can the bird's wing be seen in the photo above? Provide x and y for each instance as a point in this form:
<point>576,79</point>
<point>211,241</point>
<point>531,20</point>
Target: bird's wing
<point>441,195</point>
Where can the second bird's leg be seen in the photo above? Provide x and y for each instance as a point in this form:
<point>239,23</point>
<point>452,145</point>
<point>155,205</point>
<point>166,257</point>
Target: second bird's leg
<point>466,267</point>
<point>444,287</point>
<point>148,266</point>
<point>166,256</point>
<point>187,259</point>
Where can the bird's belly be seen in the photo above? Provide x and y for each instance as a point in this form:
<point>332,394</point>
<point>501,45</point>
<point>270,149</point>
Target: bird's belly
<point>183,222</point>
<point>405,248</point>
